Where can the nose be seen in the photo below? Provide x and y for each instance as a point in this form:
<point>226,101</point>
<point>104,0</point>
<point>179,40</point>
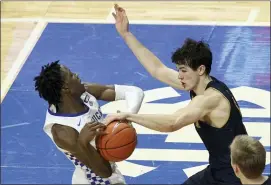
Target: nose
<point>180,76</point>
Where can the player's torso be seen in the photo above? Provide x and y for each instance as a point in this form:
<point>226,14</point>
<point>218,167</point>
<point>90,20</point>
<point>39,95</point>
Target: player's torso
<point>227,109</point>
<point>78,121</point>
<point>220,126</point>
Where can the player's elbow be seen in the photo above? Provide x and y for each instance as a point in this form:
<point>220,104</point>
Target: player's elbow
<point>135,99</point>
<point>105,172</point>
<point>102,168</point>
<point>157,72</point>
<point>140,93</point>
<point>172,126</point>
<point>177,124</point>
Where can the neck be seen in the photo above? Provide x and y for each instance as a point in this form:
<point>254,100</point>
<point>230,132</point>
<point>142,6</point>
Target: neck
<point>259,180</point>
<point>71,105</point>
<point>202,84</point>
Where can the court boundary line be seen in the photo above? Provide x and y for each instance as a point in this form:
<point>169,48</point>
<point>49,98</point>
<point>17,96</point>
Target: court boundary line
<point>253,15</point>
<point>15,125</point>
<point>22,57</point>
<point>248,22</point>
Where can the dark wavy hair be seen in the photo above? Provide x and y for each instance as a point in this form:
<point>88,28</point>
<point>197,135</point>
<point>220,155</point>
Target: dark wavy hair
<point>193,54</point>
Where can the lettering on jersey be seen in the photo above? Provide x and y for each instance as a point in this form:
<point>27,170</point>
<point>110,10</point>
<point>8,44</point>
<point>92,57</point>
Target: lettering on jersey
<point>97,116</point>
<point>86,98</point>
<point>90,103</point>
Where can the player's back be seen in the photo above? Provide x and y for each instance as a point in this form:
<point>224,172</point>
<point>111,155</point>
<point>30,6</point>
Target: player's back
<point>78,121</point>
<point>218,140</point>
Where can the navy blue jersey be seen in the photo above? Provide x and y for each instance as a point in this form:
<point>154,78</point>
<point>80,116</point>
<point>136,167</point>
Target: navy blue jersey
<point>218,140</point>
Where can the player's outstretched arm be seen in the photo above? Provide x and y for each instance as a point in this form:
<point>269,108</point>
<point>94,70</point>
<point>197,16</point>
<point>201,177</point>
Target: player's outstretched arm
<point>196,110</point>
<point>78,144</point>
<point>132,94</point>
<point>152,64</point>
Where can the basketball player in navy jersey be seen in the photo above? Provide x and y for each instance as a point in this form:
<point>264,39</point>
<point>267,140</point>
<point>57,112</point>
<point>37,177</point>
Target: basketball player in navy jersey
<point>248,158</point>
<point>213,109</point>
<point>73,120</point>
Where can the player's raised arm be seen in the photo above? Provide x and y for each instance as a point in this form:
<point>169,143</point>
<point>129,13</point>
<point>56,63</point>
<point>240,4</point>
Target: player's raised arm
<point>152,64</point>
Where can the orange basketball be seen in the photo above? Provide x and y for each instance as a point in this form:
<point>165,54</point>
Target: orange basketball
<point>119,144</point>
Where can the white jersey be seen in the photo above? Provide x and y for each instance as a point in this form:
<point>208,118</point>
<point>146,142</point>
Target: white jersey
<point>78,121</point>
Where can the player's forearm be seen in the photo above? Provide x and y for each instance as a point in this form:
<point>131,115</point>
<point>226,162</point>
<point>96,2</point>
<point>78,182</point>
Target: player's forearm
<point>161,123</point>
<point>145,56</point>
<point>91,158</point>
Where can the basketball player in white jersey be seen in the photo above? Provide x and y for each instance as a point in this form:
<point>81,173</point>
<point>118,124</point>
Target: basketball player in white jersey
<point>73,120</point>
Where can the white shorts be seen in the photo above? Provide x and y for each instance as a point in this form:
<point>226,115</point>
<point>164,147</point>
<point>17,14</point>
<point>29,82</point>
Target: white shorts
<point>79,177</point>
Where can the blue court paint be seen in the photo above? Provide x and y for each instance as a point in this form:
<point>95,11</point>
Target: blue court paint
<point>96,52</point>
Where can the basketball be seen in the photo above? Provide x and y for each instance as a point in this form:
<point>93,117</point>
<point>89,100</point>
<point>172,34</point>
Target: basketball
<point>119,143</point>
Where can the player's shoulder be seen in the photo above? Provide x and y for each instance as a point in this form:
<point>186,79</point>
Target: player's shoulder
<point>211,94</point>
<point>210,98</point>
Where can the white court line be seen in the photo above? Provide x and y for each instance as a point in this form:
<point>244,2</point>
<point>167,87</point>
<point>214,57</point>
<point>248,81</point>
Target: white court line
<point>151,22</point>
<point>253,15</point>
<point>15,125</point>
<point>21,58</point>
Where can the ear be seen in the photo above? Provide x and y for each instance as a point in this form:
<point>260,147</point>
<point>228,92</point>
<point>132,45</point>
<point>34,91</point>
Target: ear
<point>233,167</point>
<point>236,168</point>
<point>201,70</point>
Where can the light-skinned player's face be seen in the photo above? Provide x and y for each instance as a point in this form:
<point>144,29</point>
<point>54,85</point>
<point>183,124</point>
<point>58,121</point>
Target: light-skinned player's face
<point>72,82</point>
<point>188,77</point>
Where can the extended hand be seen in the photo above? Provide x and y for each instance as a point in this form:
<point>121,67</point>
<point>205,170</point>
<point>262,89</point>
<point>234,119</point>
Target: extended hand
<point>122,23</point>
<point>112,117</point>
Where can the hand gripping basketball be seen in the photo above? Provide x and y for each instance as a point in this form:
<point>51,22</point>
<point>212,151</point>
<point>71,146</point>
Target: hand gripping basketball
<point>91,130</point>
<point>119,142</point>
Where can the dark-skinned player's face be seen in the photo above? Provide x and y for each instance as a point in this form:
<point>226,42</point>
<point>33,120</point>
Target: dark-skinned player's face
<point>72,82</point>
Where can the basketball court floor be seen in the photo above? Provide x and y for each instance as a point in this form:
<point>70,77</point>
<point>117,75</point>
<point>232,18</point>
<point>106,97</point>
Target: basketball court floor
<point>91,47</point>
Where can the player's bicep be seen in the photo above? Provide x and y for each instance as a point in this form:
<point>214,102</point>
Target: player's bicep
<point>187,116</point>
<point>65,137</point>
<point>101,92</point>
<point>169,76</point>
<point>199,107</point>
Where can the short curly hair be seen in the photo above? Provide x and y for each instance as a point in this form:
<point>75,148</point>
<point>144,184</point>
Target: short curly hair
<point>50,82</point>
